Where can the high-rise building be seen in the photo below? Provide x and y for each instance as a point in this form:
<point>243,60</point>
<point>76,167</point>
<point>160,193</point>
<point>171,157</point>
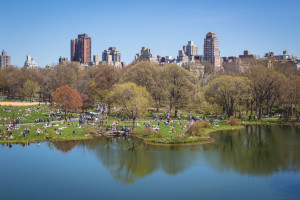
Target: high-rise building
<point>62,60</point>
<point>188,53</point>
<point>81,49</point>
<point>144,55</point>
<point>182,57</point>
<point>96,59</point>
<point>247,55</point>
<point>111,55</point>
<point>4,60</point>
<point>190,49</point>
<point>211,50</point>
<point>30,62</point>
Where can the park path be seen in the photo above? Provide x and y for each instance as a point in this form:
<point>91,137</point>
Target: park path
<point>2,103</point>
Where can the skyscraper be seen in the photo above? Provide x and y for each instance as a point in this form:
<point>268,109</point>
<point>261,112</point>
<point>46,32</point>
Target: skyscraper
<point>111,55</point>
<point>96,59</point>
<point>4,60</point>
<point>211,50</point>
<point>81,49</point>
<point>190,49</point>
<point>30,62</point>
<point>188,53</point>
<point>62,60</point>
<point>144,55</point>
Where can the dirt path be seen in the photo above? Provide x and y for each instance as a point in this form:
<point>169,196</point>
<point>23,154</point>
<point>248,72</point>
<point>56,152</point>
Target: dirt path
<point>18,103</point>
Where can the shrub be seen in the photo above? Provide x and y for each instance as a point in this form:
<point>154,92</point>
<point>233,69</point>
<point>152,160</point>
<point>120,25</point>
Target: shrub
<point>198,127</point>
<point>178,140</point>
<point>204,124</point>
<point>90,130</point>
<point>147,132</point>
<point>159,134</point>
<point>232,121</point>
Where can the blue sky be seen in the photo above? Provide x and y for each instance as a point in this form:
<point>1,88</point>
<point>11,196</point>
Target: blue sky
<point>43,29</point>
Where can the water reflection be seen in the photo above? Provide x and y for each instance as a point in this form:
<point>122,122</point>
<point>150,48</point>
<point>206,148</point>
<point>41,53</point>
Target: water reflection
<point>255,150</point>
<point>65,146</point>
<point>128,166</point>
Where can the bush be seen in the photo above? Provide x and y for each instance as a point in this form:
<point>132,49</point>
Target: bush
<point>159,134</point>
<point>204,124</point>
<point>90,130</point>
<point>147,132</point>
<point>177,140</point>
<point>232,121</point>
<point>198,127</point>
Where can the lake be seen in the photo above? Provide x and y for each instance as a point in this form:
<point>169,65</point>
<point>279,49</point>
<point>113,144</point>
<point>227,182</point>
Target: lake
<point>258,162</point>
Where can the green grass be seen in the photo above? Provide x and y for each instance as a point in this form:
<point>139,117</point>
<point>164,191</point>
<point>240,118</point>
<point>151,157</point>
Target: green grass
<point>67,133</point>
<point>166,136</point>
<point>5,99</point>
<point>29,116</point>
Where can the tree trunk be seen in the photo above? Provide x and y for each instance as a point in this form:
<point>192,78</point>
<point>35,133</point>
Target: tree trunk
<point>251,110</point>
<point>133,123</point>
<point>259,112</point>
<point>175,112</point>
<point>108,109</point>
<point>292,112</point>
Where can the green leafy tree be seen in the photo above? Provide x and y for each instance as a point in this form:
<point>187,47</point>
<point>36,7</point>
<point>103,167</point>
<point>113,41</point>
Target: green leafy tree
<point>266,83</point>
<point>179,86</point>
<point>226,91</point>
<point>30,88</point>
<point>150,76</point>
<point>134,100</point>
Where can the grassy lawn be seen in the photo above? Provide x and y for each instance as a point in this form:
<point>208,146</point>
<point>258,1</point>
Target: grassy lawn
<point>66,130</point>
<point>171,133</point>
<point>174,134</point>
<point>28,113</point>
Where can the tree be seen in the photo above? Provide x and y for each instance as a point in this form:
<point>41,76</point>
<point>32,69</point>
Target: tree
<point>290,96</point>
<point>226,91</point>
<point>30,88</point>
<point>64,75</point>
<point>134,100</point>
<point>148,75</point>
<point>67,99</point>
<point>107,77</point>
<point>266,86</point>
<point>179,86</point>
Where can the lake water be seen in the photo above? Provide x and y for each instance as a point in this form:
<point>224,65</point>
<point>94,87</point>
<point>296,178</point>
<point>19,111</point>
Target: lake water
<point>258,162</point>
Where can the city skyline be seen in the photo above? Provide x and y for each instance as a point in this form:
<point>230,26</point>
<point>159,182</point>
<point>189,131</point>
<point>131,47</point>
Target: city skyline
<point>164,31</point>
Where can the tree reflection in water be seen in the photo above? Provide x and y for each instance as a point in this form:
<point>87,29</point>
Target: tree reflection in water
<point>255,150</point>
<point>128,166</point>
<point>65,146</point>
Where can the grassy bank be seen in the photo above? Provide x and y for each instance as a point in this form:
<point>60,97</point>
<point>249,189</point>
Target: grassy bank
<point>47,133</point>
<point>149,130</point>
<point>173,133</point>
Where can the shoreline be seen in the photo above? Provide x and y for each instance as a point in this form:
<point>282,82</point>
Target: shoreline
<point>206,139</point>
<point>11,141</point>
